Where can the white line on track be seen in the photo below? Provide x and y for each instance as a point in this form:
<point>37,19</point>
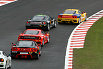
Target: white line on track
<point>77,38</point>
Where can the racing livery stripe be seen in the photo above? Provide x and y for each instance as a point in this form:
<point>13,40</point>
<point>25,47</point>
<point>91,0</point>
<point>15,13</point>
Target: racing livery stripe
<point>4,2</point>
<point>77,38</point>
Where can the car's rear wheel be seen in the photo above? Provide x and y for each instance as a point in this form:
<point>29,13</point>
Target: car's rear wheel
<point>54,24</point>
<point>79,21</point>
<point>48,40</point>
<point>85,18</point>
<point>36,56</point>
<point>48,27</point>
<point>6,65</point>
<point>42,43</point>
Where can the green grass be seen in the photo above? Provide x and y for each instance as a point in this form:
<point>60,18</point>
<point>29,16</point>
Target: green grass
<point>91,56</point>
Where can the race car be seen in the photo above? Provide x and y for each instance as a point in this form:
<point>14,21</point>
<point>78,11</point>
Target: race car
<point>5,61</point>
<point>72,16</point>
<point>36,35</point>
<point>44,22</point>
<point>25,49</point>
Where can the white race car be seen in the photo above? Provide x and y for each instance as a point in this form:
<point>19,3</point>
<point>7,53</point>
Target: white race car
<point>5,61</point>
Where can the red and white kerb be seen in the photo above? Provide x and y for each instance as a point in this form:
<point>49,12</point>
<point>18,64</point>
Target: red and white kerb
<point>3,2</point>
<point>77,38</point>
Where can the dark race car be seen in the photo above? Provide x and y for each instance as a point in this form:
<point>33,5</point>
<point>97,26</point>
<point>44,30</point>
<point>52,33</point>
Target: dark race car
<point>25,49</point>
<point>37,35</point>
<point>44,22</point>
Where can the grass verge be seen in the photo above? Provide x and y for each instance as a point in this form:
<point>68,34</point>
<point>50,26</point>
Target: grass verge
<point>91,56</point>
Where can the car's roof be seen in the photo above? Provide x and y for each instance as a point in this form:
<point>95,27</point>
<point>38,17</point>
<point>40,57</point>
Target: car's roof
<point>72,9</point>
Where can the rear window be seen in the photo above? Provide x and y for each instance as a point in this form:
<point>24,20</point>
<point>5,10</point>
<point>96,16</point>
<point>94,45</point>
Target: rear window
<point>32,32</point>
<point>39,18</point>
<point>24,43</point>
<point>69,12</point>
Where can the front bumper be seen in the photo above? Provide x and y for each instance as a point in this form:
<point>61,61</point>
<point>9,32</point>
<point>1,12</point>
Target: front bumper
<point>68,20</point>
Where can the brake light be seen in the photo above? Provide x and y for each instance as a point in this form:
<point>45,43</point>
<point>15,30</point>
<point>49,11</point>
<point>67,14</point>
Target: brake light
<point>59,16</point>
<point>74,16</point>
<point>28,22</point>
<point>1,60</point>
<point>44,23</point>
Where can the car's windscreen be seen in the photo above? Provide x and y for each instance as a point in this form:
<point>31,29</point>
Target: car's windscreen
<point>38,18</point>
<point>32,32</point>
<point>69,12</point>
<point>24,44</point>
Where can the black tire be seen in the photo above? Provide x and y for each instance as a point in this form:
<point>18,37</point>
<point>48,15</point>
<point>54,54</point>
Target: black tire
<point>55,23</point>
<point>85,18</point>
<point>79,21</point>
<point>42,43</point>
<point>40,53</point>
<point>48,39</point>
<point>6,65</point>
<point>48,27</point>
<point>36,56</point>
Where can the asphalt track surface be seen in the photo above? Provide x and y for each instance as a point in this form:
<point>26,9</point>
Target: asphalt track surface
<point>12,22</point>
